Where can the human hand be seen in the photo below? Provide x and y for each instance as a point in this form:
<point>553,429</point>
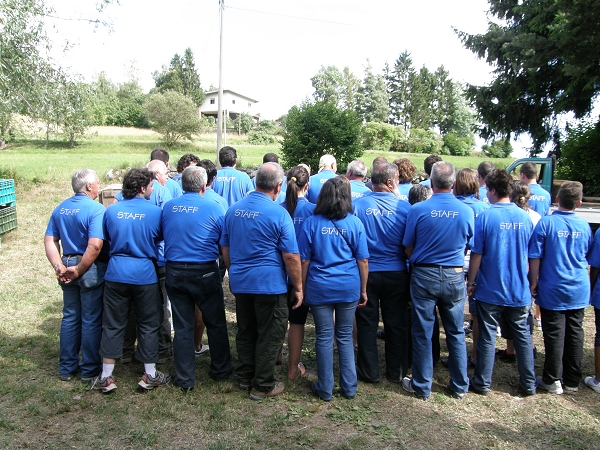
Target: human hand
<point>362,301</point>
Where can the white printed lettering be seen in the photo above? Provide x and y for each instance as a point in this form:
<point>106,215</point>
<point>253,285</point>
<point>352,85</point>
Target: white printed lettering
<point>68,211</point>
<point>379,212</point>
<point>225,179</point>
<point>440,213</point>
<point>128,215</point>
<point>511,225</point>
<point>185,209</point>
<point>567,234</point>
<point>246,214</point>
<point>329,230</point>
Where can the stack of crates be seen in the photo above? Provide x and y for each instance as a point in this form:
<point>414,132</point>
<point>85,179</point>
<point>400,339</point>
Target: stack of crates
<point>8,206</point>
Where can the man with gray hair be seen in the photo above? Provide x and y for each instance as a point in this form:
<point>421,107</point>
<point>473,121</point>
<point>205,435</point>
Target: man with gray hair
<point>191,229</point>
<point>327,168</point>
<point>437,232</point>
<point>257,277</point>
<point>356,173</point>
<point>77,224</point>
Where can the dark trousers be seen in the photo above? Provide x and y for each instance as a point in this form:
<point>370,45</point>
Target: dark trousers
<point>189,285</point>
<point>388,290</point>
<point>118,299</point>
<point>261,321</point>
<point>563,343</point>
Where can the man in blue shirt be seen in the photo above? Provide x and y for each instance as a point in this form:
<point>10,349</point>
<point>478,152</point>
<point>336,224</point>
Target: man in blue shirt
<point>186,160</point>
<point>498,280</point>
<point>171,184</point>
<point>558,278</point>
<point>384,217</point>
<point>132,228</point>
<point>327,169</point>
<point>356,174</point>
<point>540,199</point>
<point>427,166</point>
<point>261,306</point>
<point>192,228</point>
<point>77,224</point>
<point>437,232</point>
<point>483,170</point>
<point>230,183</point>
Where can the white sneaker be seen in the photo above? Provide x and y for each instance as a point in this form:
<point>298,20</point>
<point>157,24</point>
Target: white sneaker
<point>553,388</point>
<point>592,383</point>
<point>202,350</point>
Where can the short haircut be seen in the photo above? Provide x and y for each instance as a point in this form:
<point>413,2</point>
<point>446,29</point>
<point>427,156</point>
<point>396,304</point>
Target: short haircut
<point>193,179</point>
<point>227,156</point>
<point>326,160</point>
<point>186,160</point>
<point>429,162</point>
<point>383,172</point>
<point>442,175</point>
<point>501,182</point>
<point>211,170</point>
<point>80,178</point>
<point>379,160</point>
<point>466,182</point>
<point>529,169</point>
<point>520,194</point>
<point>161,154</point>
<point>268,176</point>
<point>357,168</point>
<point>484,168</point>
<point>297,177</point>
<point>270,157</point>
<point>156,165</point>
<point>406,169</point>
<point>134,181</point>
<point>419,193</point>
<point>335,200</point>
<point>570,194</point>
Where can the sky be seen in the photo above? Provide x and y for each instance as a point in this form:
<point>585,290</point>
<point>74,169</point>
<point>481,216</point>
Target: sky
<point>271,48</point>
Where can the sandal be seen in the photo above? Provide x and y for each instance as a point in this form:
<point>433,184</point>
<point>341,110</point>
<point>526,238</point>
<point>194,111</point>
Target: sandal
<point>301,372</point>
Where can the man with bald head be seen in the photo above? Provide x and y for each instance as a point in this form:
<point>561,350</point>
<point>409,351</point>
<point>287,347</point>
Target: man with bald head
<point>356,173</point>
<point>327,168</point>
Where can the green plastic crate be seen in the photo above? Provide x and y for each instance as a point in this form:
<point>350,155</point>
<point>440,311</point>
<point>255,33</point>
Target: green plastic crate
<point>8,219</point>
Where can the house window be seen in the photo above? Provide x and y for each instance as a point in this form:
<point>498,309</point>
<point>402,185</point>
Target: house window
<point>249,104</point>
<point>212,101</point>
<point>233,102</point>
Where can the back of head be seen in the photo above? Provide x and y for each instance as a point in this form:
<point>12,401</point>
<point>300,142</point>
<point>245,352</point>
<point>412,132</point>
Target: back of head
<point>377,161</point>
<point>334,201</point>
<point>382,173</point>
<point>297,178</point>
<point>429,162</point>
<point>570,194</point>
<point>268,176</point>
<point>357,169</point>
<point>193,179</point>
<point>306,167</point>
<point>466,182</point>
<point>520,194</point>
<point>501,182</point>
<point>327,161</point>
<point>443,175</point>
<point>134,181</point>
<point>419,193</point>
<point>529,170</point>
<point>211,170</point>
<point>80,178</point>
<point>484,169</point>
<point>227,156</point>
<point>406,169</point>
<point>157,166</point>
<point>270,157</point>
<point>160,154</point>
<point>187,160</point>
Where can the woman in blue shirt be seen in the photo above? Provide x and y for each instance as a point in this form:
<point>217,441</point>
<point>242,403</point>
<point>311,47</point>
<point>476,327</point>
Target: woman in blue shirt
<point>333,249</point>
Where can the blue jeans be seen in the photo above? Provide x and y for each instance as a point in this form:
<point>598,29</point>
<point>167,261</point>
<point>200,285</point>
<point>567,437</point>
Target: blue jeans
<point>81,326</point>
<point>324,330</point>
<point>431,286</point>
<point>189,285</point>
<point>488,316</point>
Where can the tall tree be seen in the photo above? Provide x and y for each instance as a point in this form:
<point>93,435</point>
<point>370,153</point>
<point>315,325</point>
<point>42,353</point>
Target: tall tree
<point>328,85</point>
<point>373,97</point>
<point>546,59</point>
<point>398,82</point>
<point>181,76</point>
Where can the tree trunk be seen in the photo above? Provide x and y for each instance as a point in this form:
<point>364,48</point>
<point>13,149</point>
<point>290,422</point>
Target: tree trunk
<point>2,144</point>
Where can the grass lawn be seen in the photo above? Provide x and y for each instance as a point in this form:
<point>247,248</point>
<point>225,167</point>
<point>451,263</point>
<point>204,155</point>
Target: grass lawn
<point>37,410</point>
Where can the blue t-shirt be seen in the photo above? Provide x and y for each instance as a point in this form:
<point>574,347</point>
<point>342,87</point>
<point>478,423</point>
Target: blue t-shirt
<point>212,195</point>
<point>316,183</point>
<point>594,260</point>
<point>426,182</point>
<point>384,217</point>
<point>192,228</point>
<point>133,230</point>
<point>257,230</point>
<point>160,194</point>
<point>358,189</point>
<point>232,184</point>
<point>333,275</point>
<point>404,189</point>
<point>562,242</point>
<point>174,188</point>
<point>476,205</point>
<point>439,229</point>
<point>501,236</point>
<point>74,221</point>
<point>304,209</point>
<point>177,178</point>
<point>540,200</point>
<point>483,194</point>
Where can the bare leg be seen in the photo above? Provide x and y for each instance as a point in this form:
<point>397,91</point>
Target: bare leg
<point>597,361</point>
<point>198,330</point>
<point>295,342</point>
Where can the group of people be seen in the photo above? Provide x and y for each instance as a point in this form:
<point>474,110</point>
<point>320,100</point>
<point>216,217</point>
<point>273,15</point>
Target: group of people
<point>345,250</point>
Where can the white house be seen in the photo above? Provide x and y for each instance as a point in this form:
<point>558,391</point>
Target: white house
<point>234,104</point>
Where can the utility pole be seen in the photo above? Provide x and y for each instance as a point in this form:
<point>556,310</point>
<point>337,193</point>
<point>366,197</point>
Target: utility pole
<point>220,99</point>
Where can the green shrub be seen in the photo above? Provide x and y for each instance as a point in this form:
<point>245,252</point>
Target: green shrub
<point>425,141</point>
<point>498,149</point>
<point>580,158</point>
<point>458,145</point>
<point>379,136</point>
<point>261,138</point>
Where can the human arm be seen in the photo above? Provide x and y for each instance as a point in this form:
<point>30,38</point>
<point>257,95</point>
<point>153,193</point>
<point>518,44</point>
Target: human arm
<point>294,271</point>
<point>363,271</point>
<point>52,246</point>
<point>408,251</point>
<point>89,256</point>
<point>474,263</point>
<point>594,272</point>
<point>226,259</point>
<point>534,270</point>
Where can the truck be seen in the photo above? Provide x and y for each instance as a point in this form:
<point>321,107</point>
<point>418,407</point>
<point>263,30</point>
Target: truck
<point>590,207</point>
